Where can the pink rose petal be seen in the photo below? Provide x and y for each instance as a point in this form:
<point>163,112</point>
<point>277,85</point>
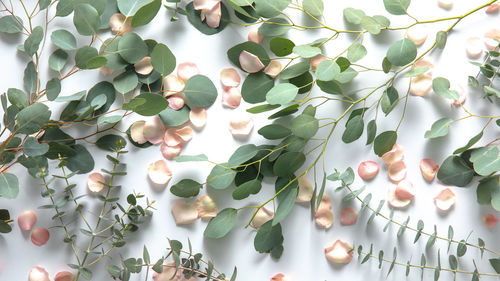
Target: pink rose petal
<point>428,168</point>
<point>212,16</point>
<point>339,252</point>
<point>250,62</point>
<point>405,190</point>
<point>106,70</point>
<point>263,215</point>
<point>184,212</point>
<point>279,277</point>
<point>169,273</point>
<point>254,36</point>
<point>171,138</point>
<point>95,182</point>
<point>120,24</point>
<point>348,216</point>
<point>394,201</point>
<point>137,132</point>
<point>305,190</point>
<point>144,66</point>
<point>474,47</point>
<point>394,155</point>
<point>326,203</point>
<point>170,152</point>
<point>205,4</point>
<point>187,70</point>
<point>421,85</point>
<point>424,62</point>
<point>27,220</point>
<point>154,130</point>
<point>315,62</point>
<point>185,133</point>
<point>324,218</point>
<point>417,34</point>
<point>206,207</point>
<point>38,273</point>
<point>198,117</point>
<point>461,95</point>
<point>273,69</point>
<point>493,8</point>
<point>492,38</point>
<point>397,171</point>
<point>176,102</point>
<point>445,200</point>
<point>40,236</point>
<point>231,97</point>
<point>229,77</point>
<point>241,126</point>
<point>367,170</point>
<point>159,173</point>
<point>63,276</point>
<point>172,85</point>
<point>445,4</point>
<point>490,220</point>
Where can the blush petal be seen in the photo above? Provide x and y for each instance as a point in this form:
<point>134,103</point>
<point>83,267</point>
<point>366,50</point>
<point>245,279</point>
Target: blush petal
<point>159,173</point>
<point>263,215</point>
<point>279,277</point>
<point>324,218</point>
<point>229,77</point>
<point>185,133</point>
<point>397,171</point>
<point>198,117</point>
<point>213,16</point>
<point>491,38</point>
<point>95,182</point>
<point>424,62</point>
<point>172,85</point>
<point>170,152</point>
<point>474,47</point>
<point>120,24</point>
<point>421,85</point>
<point>428,168</point>
<point>445,200</point>
<point>339,252</point>
<point>206,207</point>
<point>254,36</point>
<point>40,236</point>
<point>326,203</point>
<point>137,132</point>
<point>367,170</point>
<point>315,62</point>
<point>492,9</point>
<point>171,138</point>
<point>63,276</point>
<point>231,97</point>
<point>38,273</point>
<point>461,95</point>
<point>184,212</point>
<point>348,216</point>
<point>176,102</point>
<point>417,34</point>
<point>106,70</point>
<point>187,70</point>
<point>490,220</point>
<point>144,66</point>
<point>405,190</point>
<point>250,62</point>
<point>241,126</point>
<point>154,130</point>
<point>394,155</point>
<point>445,4</point>
<point>204,4</point>
<point>394,201</point>
<point>305,190</point>
<point>27,220</point>
<point>273,69</point>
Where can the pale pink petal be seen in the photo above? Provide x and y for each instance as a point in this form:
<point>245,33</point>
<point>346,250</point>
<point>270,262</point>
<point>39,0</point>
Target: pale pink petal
<point>424,62</point>
<point>445,4</point>
<point>394,201</point>
<point>428,168</point>
<point>273,69</point>
<point>394,155</point>
<point>324,218</point>
<point>229,77</point>
<point>169,273</point>
<point>63,276</point>
<point>120,24</point>
<point>305,190</point>
<point>421,85</point>
<point>170,152</point>
<point>171,138</point>
<point>254,36</point>
<point>241,126</point>
<point>279,277</point>
<point>206,207</point>
<point>231,97</point>
<point>26,220</point>
<point>198,117</point>
<point>172,85</point>
<point>137,132</point>
<point>491,44</point>
<point>38,273</point>
<point>187,70</point>
<point>144,66</point>
<point>493,8</point>
<point>490,220</point>
<point>263,215</point>
<point>492,38</point>
<point>205,4</point>
<point>405,190</point>
<point>95,182</point>
<point>417,34</point>
<point>339,252</point>
<point>159,173</point>
<point>445,200</point>
<point>493,33</point>
<point>250,62</point>
<point>154,130</point>
<point>397,171</point>
<point>106,70</point>
<point>40,236</point>
<point>326,203</point>
<point>367,170</point>
<point>184,212</point>
<point>185,133</point>
<point>212,16</point>
<point>315,62</point>
<point>474,47</point>
<point>175,102</point>
<point>461,95</point>
<point>348,216</point>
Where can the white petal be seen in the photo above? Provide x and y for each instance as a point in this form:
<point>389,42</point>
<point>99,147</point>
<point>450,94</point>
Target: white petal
<point>38,273</point>
<point>417,34</point>
<point>120,24</point>
<point>241,126</point>
<point>421,85</point>
<point>324,218</point>
<point>170,152</point>
<point>405,190</point>
<point>474,47</point>
<point>198,117</point>
<point>305,190</point>
<point>273,69</point>
<point>445,4</point>
<point>153,130</point>
<point>95,182</point>
<point>27,220</point>
<point>254,36</point>
<point>367,170</point>
<point>424,62</point>
<point>348,216</point>
<point>262,216</point>
<point>250,62</point>
<point>492,38</point>
<point>397,171</point>
<point>231,97</point>
<point>339,252</point>
<point>206,207</point>
<point>159,173</point>
<point>394,155</point>
<point>213,16</point>
<point>394,201</point>
<point>462,96</point>
<point>445,200</point>
<point>144,66</point>
<point>184,212</point>
<point>40,236</point>
<point>187,70</point>
<point>229,77</point>
<point>172,85</point>
<point>428,168</point>
<point>137,132</point>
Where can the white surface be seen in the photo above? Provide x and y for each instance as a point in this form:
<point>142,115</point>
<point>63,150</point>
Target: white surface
<point>303,258</point>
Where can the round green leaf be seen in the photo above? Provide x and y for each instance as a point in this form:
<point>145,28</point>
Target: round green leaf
<point>304,82</point>
<point>174,118</point>
<point>102,88</point>
<point>397,7</point>
<point>221,176</point>
<point>9,186</point>
<point>132,48</point>
<point>244,190</point>
<point>356,52</point>
<point>195,19</point>
<point>219,226</point>
<point>282,94</point>
<point>441,86</point>
<point>242,155</point>
<point>146,13</point>
<point>63,39</point>
<point>11,24</point>
<point>126,82</point>
<point>354,129</point>
<point>313,7</point>
<point>384,142</point>
<point>274,27</point>
<point>150,104</point>
<point>110,142</point>
<point>304,126</point>
<point>33,148</point>
<point>84,55</point>
<point>82,162</point>
<point>255,87</point>
<point>288,163</point>
<point>58,60</point>
<point>274,132</point>
<point>186,188</point>
<point>439,128</point>
<point>330,87</point>
<point>306,51</point>
<point>200,91</point>
<point>353,16</point>
<point>486,160</point>
<point>86,19</point>
<point>269,9</point>
<point>295,70</point>
<point>455,171</point>
<point>281,46</point>
<point>327,70</point>
<point>402,52</point>
<point>32,118</point>
<point>163,60</point>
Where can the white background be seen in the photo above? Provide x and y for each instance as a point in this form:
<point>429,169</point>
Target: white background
<point>303,258</point>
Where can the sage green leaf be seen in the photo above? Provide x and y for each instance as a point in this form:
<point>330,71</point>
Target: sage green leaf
<point>30,78</point>
<point>262,108</point>
<point>74,97</point>
<point>102,88</point>
<point>304,82</point>
<point>110,120</point>
<point>282,94</point>
<point>32,148</point>
<point>111,142</point>
<point>495,263</point>
<point>255,87</point>
<point>150,105</point>
<point>86,19</point>
<point>281,46</point>
<point>488,189</point>
<point>194,18</point>
<point>110,9</point>
<point>246,189</point>
<point>371,25</point>
<point>371,131</point>
<point>402,52</point>
<point>397,7</point>
<point>274,132</point>
<point>356,52</point>
<point>242,155</point>
<point>256,49</point>
<point>174,118</point>
<point>130,7</point>
<point>313,7</point>
<point>327,70</point>
<point>386,65</point>
<point>269,9</point>
<point>146,13</point>
<point>9,185</point>
<point>268,238</point>
<point>64,7</point>
<point>353,16</point>
<point>415,72</point>
<point>441,86</point>
<point>295,70</point>
<point>441,38</point>
<point>486,160</point>
<point>200,91</point>
<point>63,39</point>
<point>110,51</point>
<point>163,60</point>
<point>304,126</point>
<point>439,128</point>
<point>274,27</point>
<point>11,24</point>
<point>346,76</point>
<point>306,51</point>
<point>389,100</point>
<point>132,48</point>
<point>286,202</point>
<point>383,21</point>
<point>490,91</point>
<point>32,118</point>
<point>384,142</point>
<point>58,60</point>
<point>221,176</point>
<point>191,158</point>
<point>354,129</point>
<point>219,226</point>
<point>289,110</point>
<point>126,82</point>
<point>186,188</point>
<point>32,43</point>
<point>455,171</point>
<point>53,88</point>
<point>330,87</point>
<point>17,98</point>
<point>469,144</point>
<point>82,162</point>
<point>288,162</point>
<point>84,55</point>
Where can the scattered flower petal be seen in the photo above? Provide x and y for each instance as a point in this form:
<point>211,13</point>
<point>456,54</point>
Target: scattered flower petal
<point>171,138</point>
<point>40,236</point>
<point>241,126</point>
<point>184,212</point>
<point>339,252</point>
<point>405,190</point>
<point>490,220</point>
<point>231,97</point>
<point>279,277</point>
<point>326,203</point>
<point>63,276</point>
<point>492,38</point>
<point>159,173</point>
<point>445,200</point>
<point>263,215</point>
<point>229,77</point>
<point>120,24</point>
<point>172,85</point>
<point>367,170</point>
<point>137,132</point>
<point>324,218</point>
<point>474,47</point>
<point>394,201</point>
<point>204,4</point>
<point>493,8</point>
<point>315,62</point>
<point>428,168</point>
<point>186,70</point>
<point>424,62</point>
<point>95,182</point>
<point>170,152</point>
<point>461,95</point>
<point>169,273</point>
<point>154,130</point>
<point>421,85</point>
<point>348,216</point>
<point>273,69</point>
<point>26,220</point>
<point>176,102</point>
<point>198,117</point>
<point>445,4</point>
<point>185,133</point>
<point>305,190</point>
<point>393,155</point>
<point>206,207</point>
<point>106,70</point>
<point>250,62</point>
<point>417,34</point>
<point>397,171</point>
<point>38,273</point>
<point>254,36</point>
<point>144,66</point>
<point>212,16</point>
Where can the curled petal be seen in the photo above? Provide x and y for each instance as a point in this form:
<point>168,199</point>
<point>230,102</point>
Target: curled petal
<point>169,273</point>
<point>184,212</point>
<point>154,130</point>
<point>428,168</point>
<point>106,70</point>
<point>493,8</point>
<point>348,216</point>
<point>40,236</point>
<point>120,24</point>
<point>171,138</point>
<point>198,117</point>
<point>63,276</point>
<point>137,132</point>
<point>250,62</point>
<point>421,85</point>
<point>231,97</point>
<point>172,85</point>
<point>339,252</point>
<point>206,207</point>
<point>185,133</point>
<point>38,273</point>
<point>315,62</point>
<point>95,182</point>
<point>492,38</point>
<point>26,220</point>
<point>491,44</point>
<point>445,4</point>
<point>474,47</point>
<point>394,155</point>
<point>159,173</point>
<point>144,66</point>
<point>241,126</point>
<point>273,69</point>
<point>324,218</point>
<point>263,215</point>
<point>254,36</point>
<point>305,190</point>
<point>367,170</point>
<point>170,152</point>
<point>445,200</point>
<point>490,220</point>
<point>417,34</point>
<point>229,77</point>
<point>397,171</point>
<point>493,34</point>
<point>175,102</point>
<point>279,277</point>
<point>461,95</point>
<point>186,70</point>
<point>212,16</point>
<point>424,62</point>
<point>396,202</point>
<point>204,4</point>
<point>405,190</point>
<point>326,203</point>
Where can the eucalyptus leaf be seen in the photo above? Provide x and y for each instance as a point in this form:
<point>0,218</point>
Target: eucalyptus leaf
<point>439,128</point>
<point>200,91</point>
<point>220,226</point>
<point>63,39</point>
<point>283,93</point>
<point>455,171</point>
<point>9,185</point>
<point>402,52</point>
